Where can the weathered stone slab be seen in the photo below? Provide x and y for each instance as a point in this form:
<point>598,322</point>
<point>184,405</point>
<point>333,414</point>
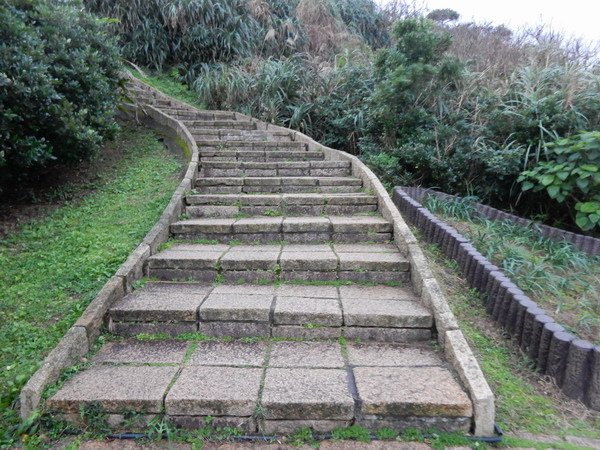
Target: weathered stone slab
<point>307,394</point>
<point>244,289</point>
<point>227,307</point>
<point>392,355</point>
<point>213,353</point>
<point>235,329</point>
<point>306,354</point>
<point>368,293</point>
<point>297,248</point>
<point>142,352</point>
<point>245,424</point>
<point>146,306</point>
<point>256,258</point>
<point>306,224</point>
<point>187,257</point>
<point>283,427</point>
<point>360,224</point>
<point>307,310</point>
<point>410,391</point>
<point>308,261</point>
<point>214,391</point>
<point>306,332</point>
<point>299,290</point>
<point>379,334</point>
<point>115,388</point>
<point>373,262</point>
<point>385,313</point>
<point>135,328</point>
<point>258,225</point>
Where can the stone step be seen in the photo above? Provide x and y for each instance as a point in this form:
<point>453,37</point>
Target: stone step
<point>198,126</point>
<point>373,263</point>
<point>372,313</point>
<point>274,185</point>
<point>190,116</point>
<point>294,384</point>
<point>229,205</point>
<point>259,155</point>
<point>252,145</point>
<point>228,169</point>
<point>243,135</point>
<point>304,229</point>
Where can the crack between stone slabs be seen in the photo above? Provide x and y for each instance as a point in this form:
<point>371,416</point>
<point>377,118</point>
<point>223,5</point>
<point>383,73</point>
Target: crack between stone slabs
<point>212,288</point>
<point>272,314</point>
<point>258,413</point>
<point>339,299</point>
<point>351,382</point>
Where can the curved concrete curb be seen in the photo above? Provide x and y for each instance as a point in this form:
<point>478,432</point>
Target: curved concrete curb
<point>573,363</point>
<point>587,244</point>
<point>82,335</point>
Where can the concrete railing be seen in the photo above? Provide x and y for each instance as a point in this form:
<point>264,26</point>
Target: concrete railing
<point>573,363</point>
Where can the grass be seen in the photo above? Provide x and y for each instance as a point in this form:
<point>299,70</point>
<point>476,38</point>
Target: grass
<point>169,84</point>
<point>53,267</point>
<point>525,401</point>
<point>564,281</point>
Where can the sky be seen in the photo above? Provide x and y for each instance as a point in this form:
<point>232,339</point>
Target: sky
<point>580,18</point>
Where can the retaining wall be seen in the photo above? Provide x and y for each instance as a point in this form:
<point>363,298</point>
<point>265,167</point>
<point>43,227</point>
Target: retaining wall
<point>573,363</point>
<point>587,244</point>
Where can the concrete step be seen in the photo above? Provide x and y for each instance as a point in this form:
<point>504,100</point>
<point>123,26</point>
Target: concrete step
<point>213,169</point>
<point>304,229</point>
<point>230,205</point>
<point>292,384</point>
<point>373,263</point>
<point>197,126</point>
<point>190,116</point>
<point>251,145</point>
<point>274,185</point>
<point>372,313</point>
<point>259,155</point>
<point>242,135</point>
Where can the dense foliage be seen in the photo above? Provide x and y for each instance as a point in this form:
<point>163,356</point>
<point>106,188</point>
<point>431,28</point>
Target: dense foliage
<point>58,85</point>
<point>462,107</point>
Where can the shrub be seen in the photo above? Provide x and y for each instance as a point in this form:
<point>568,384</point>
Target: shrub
<point>162,33</point>
<point>58,85</point>
<point>571,176</point>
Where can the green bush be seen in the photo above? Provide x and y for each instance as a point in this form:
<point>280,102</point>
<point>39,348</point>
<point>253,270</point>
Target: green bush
<point>58,85</point>
<point>162,33</point>
<point>571,176</point>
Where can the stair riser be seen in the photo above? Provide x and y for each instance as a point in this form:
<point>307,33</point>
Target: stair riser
<point>269,276</point>
<point>288,210</point>
<point>225,135</point>
<point>297,238</point>
<point>279,172</point>
<point>288,189</point>
<point>186,116</point>
<point>252,156</point>
<point>242,146</point>
<point>198,128</point>
<point>239,330</point>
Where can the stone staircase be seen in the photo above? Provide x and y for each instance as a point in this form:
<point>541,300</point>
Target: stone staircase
<point>290,303</point>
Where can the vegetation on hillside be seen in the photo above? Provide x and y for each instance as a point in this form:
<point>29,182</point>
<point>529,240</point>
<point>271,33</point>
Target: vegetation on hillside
<point>58,86</point>
<point>463,107</point>
<point>53,267</point>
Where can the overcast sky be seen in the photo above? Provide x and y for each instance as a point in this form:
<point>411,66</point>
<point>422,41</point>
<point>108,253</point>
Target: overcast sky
<point>576,17</point>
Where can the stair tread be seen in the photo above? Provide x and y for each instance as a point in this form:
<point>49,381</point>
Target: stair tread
<point>257,224</point>
<point>302,381</point>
